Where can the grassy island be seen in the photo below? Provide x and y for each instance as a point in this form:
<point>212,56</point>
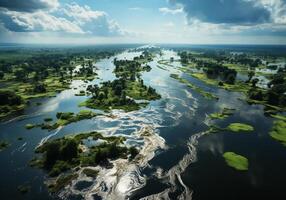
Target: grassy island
<point>207,95</point>
<point>236,161</point>
<point>226,112</point>
<point>239,127</point>
<point>63,119</point>
<point>278,131</point>
<point>85,149</point>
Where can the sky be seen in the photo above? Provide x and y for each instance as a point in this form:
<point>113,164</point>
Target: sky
<point>143,21</point>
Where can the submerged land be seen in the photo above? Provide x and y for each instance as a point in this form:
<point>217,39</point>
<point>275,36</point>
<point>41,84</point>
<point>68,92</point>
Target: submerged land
<point>28,78</point>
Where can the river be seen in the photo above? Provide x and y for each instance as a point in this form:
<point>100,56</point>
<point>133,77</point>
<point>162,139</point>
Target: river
<point>182,162</point>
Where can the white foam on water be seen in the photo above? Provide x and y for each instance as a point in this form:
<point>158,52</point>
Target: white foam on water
<point>174,174</point>
<point>45,139</point>
<point>125,176</point>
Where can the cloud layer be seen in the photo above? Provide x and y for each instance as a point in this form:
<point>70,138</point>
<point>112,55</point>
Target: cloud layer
<point>29,5</point>
<point>42,16</point>
<point>226,11</point>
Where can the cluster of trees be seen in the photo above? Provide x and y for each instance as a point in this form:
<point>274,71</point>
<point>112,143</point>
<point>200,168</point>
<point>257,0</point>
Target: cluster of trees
<point>246,61</point>
<point>110,93</point>
<point>9,98</point>
<point>115,93</point>
<point>214,71</point>
<point>276,93</point>
<point>63,154</point>
<point>129,69</point>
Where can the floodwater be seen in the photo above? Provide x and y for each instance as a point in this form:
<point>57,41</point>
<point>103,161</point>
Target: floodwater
<point>181,161</point>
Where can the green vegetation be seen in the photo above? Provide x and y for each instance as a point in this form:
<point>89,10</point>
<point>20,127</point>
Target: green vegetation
<point>3,145</point>
<point>10,103</point>
<point>280,117</point>
<point>36,73</point>
<point>122,92</point>
<point>226,112</point>
<point>276,93</point>
<point>61,182</point>
<point>63,119</point>
<point>65,154</point>
<point>24,189</point>
<point>30,126</point>
<point>207,95</point>
<point>236,161</point>
<point>278,131</point>
<point>90,172</point>
<point>238,127</point>
<point>220,69</point>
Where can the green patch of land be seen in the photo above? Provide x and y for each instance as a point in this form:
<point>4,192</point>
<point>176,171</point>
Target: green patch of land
<point>10,103</point>
<point>239,127</point>
<point>226,112</point>
<point>90,172</point>
<point>205,94</point>
<point>278,131</point>
<point>70,151</point>
<point>236,161</point>
<point>62,181</point>
<point>85,149</point>
<point>63,119</point>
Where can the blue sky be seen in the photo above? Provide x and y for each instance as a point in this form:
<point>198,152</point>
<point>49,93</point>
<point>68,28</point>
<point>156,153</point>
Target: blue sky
<point>143,21</point>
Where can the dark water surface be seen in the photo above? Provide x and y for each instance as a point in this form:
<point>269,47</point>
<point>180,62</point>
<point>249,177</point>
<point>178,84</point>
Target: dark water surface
<point>179,115</point>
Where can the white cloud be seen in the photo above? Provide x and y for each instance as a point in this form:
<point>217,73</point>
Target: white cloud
<point>171,11</point>
<point>91,21</point>
<point>70,19</point>
<point>37,21</point>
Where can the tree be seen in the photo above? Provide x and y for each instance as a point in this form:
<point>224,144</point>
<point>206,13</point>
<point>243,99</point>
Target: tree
<point>1,75</point>
<point>20,74</point>
<point>9,98</point>
<point>93,90</point>
<point>39,88</point>
<point>69,150</point>
<point>250,75</point>
<point>254,82</point>
<point>230,79</point>
<point>118,90</point>
<point>52,154</point>
<point>101,96</point>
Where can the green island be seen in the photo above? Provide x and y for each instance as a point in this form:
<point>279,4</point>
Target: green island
<point>239,127</point>
<point>236,161</point>
<point>278,131</point>
<point>205,94</point>
<point>226,112</point>
<point>123,92</point>
<point>62,157</point>
<point>63,119</point>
